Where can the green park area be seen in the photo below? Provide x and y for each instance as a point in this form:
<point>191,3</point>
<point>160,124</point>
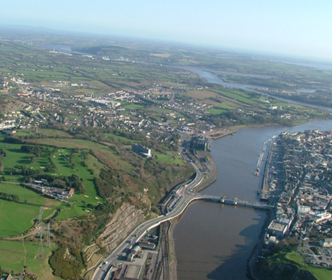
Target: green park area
<point>289,255</point>
<point>168,158</point>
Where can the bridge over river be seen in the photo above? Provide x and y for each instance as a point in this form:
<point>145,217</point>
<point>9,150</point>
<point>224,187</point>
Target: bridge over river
<point>234,201</point>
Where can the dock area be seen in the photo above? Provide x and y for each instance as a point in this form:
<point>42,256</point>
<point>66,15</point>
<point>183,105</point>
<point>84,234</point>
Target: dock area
<point>263,192</point>
<point>216,134</point>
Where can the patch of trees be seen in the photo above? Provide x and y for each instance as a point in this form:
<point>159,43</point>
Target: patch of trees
<point>236,118</point>
<point>310,99</point>
<point>216,99</point>
<point>9,197</point>
<point>12,140</point>
<point>27,171</point>
<point>52,167</point>
<point>33,149</point>
<point>105,183</point>
<point>66,262</point>
<point>3,153</point>
<point>76,183</point>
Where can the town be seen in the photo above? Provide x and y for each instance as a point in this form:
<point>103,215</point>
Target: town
<point>298,180</point>
<point>155,110</point>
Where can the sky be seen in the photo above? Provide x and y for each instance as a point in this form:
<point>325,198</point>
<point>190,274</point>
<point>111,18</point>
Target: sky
<point>293,27</point>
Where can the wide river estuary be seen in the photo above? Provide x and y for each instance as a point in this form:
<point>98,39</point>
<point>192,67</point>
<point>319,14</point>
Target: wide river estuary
<point>214,241</point>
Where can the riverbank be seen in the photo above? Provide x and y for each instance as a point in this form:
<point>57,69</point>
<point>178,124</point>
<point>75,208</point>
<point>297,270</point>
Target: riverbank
<point>211,168</point>
<point>171,246</point>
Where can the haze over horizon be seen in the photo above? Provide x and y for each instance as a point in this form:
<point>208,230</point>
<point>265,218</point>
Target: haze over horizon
<point>300,28</point>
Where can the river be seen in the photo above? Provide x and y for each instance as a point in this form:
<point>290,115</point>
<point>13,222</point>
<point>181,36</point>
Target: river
<point>214,79</point>
<point>214,241</point>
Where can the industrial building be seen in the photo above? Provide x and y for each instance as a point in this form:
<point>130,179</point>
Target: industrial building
<point>148,245</point>
<point>199,143</point>
<point>134,251</point>
<point>277,229</point>
<point>141,150</point>
<point>326,243</point>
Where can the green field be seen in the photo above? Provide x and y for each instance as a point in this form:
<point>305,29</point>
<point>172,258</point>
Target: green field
<point>12,220</point>
<point>226,107</point>
<point>16,254</point>
<point>133,106</point>
<point>30,196</point>
<point>238,96</point>
<point>215,111</point>
<point>168,158</point>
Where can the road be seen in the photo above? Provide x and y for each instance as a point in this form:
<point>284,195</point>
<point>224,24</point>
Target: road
<point>188,196</point>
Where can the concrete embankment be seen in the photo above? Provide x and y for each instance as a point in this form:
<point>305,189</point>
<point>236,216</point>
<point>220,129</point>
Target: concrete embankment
<point>265,184</point>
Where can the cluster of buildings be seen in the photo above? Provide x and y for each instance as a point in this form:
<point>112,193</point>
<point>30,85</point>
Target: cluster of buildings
<point>299,182</point>
<point>43,187</point>
<point>25,116</point>
<point>43,105</point>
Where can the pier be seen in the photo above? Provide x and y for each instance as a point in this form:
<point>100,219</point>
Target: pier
<point>219,134</point>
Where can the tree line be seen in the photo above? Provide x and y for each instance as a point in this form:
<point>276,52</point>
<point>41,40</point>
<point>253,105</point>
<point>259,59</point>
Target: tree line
<point>9,197</point>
